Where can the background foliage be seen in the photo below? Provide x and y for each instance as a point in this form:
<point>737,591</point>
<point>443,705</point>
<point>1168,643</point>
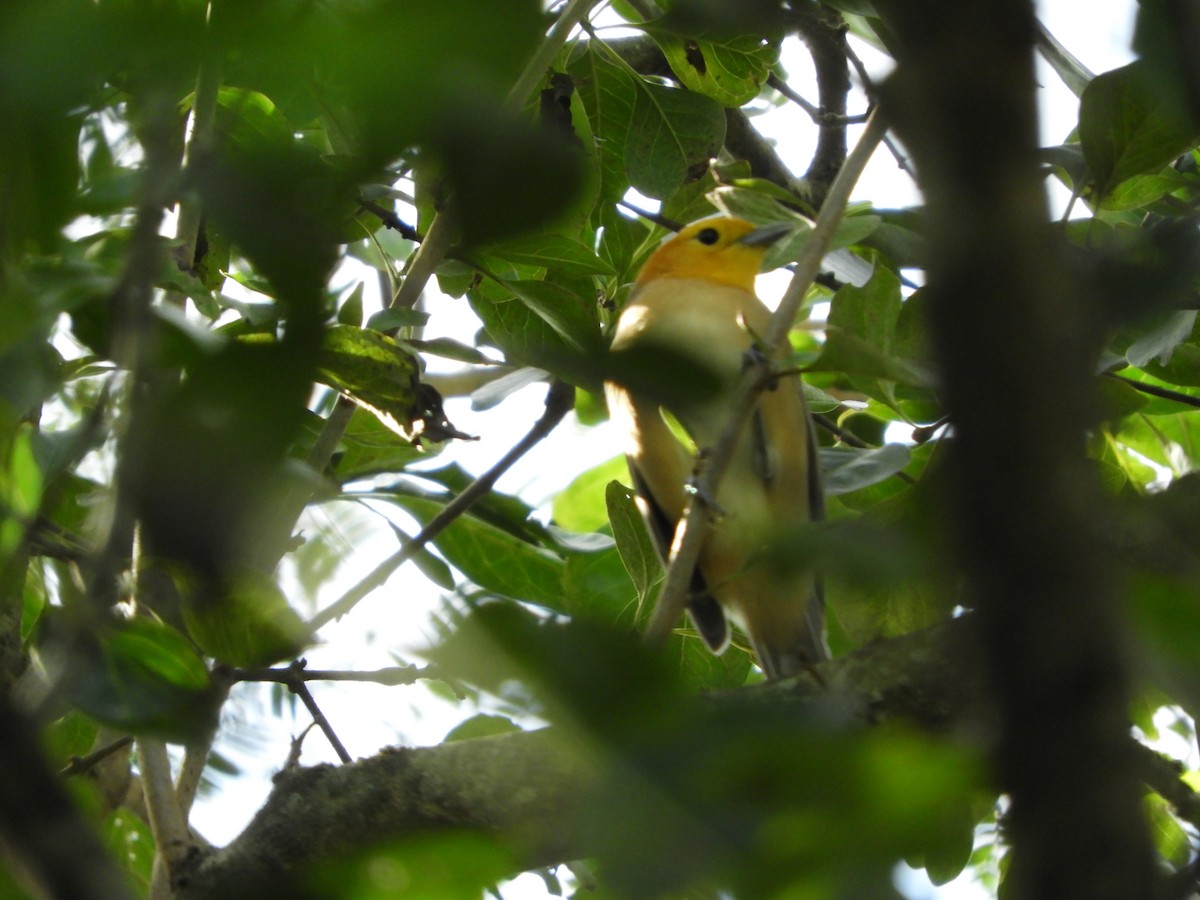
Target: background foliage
<point>184,369</point>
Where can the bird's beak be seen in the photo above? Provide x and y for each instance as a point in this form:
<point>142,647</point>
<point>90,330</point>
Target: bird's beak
<point>766,234</point>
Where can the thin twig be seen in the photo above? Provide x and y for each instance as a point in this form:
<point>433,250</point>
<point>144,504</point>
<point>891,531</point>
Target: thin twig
<point>391,220</point>
<point>872,93</point>
<point>783,88</point>
<point>690,533</point>
<point>559,400</point>
<point>1155,390</point>
<point>294,677</point>
<point>81,764</point>
<point>200,141</point>
<point>658,219</point>
<point>390,676</point>
<point>573,13</point>
<point>293,757</point>
<point>818,115</point>
<point>300,689</point>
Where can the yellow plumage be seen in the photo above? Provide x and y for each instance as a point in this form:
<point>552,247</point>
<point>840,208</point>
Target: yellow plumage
<point>695,296</point>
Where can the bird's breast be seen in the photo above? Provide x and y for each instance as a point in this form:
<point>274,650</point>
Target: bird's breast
<point>695,317</point>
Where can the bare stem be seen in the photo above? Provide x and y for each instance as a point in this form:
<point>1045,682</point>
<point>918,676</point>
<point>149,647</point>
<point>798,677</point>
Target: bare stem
<point>166,820</point>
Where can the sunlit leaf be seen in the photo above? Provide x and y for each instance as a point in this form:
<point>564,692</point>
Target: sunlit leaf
<point>245,621</point>
<point>730,70</point>
<point>494,559</point>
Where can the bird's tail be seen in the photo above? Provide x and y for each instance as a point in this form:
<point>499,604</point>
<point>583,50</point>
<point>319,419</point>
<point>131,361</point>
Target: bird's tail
<point>782,655</point>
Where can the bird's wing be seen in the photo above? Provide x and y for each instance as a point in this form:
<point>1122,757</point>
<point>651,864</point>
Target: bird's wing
<point>785,466</point>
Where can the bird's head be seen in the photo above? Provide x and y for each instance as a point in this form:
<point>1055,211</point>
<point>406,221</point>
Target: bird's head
<point>721,249</point>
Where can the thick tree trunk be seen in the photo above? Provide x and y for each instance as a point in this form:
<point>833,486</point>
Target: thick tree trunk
<point>1016,354</point>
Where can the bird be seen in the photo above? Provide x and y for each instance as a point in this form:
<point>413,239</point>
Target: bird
<point>694,299</point>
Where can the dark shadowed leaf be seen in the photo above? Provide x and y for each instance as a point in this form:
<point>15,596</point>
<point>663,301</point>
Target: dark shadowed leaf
<point>846,469</point>
<point>145,677</point>
<point>1127,129</point>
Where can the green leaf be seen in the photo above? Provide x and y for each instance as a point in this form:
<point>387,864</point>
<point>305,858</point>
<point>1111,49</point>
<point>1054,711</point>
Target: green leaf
<point>525,336</point>
<point>846,469</point>
<point>493,559</point>
<point>671,132</point>
<point>954,840</point>
<point>245,621</point>
<point>448,348</point>
<point>20,492</point>
<point>351,311</point>
<point>596,584</point>
<point>1142,190</point>
<point>1119,400</point>
<point>396,317</point>
<point>131,843</point>
<point>1160,340</point>
<point>73,734</point>
<point>505,511</point>
<point>862,338</point>
<point>565,256</point>
<point>731,70</point>
<point>634,543</point>
<point>1183,366</point>
<point>699,669</point>
<point>607,88</point>
<point>853,230</point>
<point>368,447</point>
<point>145,677</point>
<point>580,506</point>
<point>622,238</point>
<point>1126,129</point>
<point>373,370</point>
<point>481,725</point>
<point>570,315</point>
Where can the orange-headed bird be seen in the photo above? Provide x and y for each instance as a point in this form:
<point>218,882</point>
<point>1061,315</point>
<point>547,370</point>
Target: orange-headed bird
<point>695,296</point>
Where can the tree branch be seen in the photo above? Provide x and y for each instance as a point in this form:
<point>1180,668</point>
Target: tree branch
<point>823,30</point>
<point>528,788</point>
<point>1025,504</point>
<point>171,837</point>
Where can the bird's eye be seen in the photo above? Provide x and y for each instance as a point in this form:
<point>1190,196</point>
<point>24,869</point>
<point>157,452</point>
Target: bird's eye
<point>708,236</point>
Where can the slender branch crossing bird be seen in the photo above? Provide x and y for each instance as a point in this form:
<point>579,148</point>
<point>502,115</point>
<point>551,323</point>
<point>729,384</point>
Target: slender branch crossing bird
<point>694,299</point>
